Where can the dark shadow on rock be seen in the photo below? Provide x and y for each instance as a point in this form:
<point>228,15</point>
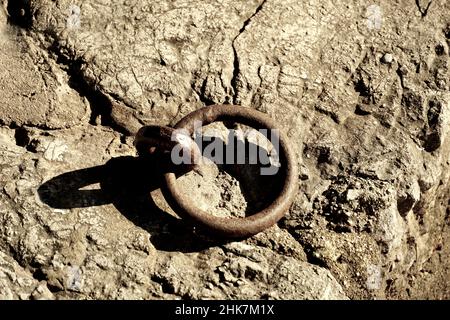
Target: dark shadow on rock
<point>126,182</point>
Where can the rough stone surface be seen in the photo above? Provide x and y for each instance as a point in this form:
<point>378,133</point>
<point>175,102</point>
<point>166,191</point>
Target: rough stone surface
<point>35,91</point>
<point>361,89</point>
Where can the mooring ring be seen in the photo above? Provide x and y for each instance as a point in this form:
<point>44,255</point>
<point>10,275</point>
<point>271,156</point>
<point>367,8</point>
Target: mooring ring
<point>153,138</point>
<point>253,224</point>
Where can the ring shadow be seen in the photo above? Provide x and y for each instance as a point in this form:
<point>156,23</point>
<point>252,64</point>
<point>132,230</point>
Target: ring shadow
<point>126,182</point>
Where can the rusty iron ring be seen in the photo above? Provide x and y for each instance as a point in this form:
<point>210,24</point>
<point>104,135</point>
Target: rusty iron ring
<point>153,138</point>
<point>150,138</point>
<point>236,227</point>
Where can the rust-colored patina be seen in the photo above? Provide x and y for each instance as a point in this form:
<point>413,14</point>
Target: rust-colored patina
<point>182,203</point>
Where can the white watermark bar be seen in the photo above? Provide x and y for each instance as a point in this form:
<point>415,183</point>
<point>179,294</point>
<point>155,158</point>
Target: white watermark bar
<point>250,146</point>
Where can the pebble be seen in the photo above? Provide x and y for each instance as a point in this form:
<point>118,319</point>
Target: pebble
<point>387,58</point>
<point>353,194</point>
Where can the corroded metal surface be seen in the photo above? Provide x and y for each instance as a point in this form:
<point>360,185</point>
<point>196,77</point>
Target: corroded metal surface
<point>182,203</point>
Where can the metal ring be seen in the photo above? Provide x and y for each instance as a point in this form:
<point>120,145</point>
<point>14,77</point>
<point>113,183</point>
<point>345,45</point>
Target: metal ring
<point>236,227</point>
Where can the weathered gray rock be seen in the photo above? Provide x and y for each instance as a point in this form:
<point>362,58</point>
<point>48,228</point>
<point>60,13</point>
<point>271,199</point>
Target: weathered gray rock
<point>17,283</point>
<point>371,133</point>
